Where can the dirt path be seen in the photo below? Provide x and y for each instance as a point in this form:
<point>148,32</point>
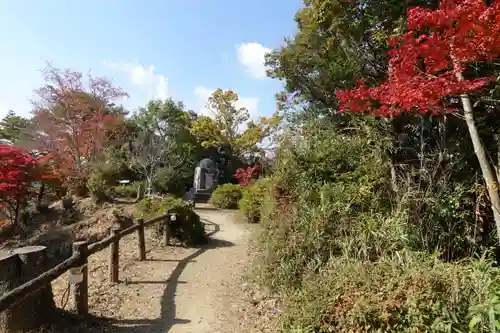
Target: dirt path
<point>177,289</point>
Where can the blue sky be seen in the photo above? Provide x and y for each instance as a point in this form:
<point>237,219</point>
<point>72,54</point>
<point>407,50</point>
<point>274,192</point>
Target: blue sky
<point>183,49</point>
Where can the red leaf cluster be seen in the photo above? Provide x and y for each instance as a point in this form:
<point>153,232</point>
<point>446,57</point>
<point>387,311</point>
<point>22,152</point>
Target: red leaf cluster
<point>18,171</point>
<point>425,61</point>
<point>245,176</point>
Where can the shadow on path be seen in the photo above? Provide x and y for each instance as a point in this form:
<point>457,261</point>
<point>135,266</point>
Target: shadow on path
<point>168,307</point>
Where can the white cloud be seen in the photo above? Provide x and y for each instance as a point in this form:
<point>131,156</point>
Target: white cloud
<point>203,93</point>
<point>155,85</point>
<point>251,55</point>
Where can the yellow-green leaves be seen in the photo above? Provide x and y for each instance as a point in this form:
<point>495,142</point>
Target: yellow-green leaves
<point>229,125</point>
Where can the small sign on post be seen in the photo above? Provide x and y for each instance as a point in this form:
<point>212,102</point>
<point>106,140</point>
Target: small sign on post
<point>75,275</point>
<point>170,217</point>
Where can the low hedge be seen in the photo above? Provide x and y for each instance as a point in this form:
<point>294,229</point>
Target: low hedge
<point>226,196</point>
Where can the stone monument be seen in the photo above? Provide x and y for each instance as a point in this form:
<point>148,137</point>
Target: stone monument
<point>205,180</point>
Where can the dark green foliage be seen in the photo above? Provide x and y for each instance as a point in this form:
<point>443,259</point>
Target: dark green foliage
<point>12,127</point>
<point>253,198</point>
<point>128,190</point>
<point>188,228</point>
<point>170,181</point>
<point>98,187</point>
<point>347,255</point>
<point>330,193</point>
<point>226,196</point>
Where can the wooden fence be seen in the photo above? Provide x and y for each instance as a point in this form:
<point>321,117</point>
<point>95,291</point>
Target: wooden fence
<point>79,259</point>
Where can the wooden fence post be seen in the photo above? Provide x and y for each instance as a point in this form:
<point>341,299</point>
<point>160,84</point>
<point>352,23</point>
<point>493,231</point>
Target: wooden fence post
<point>166,229</point>
<point>114,255</point>
<point>141,239</point>
<point>81,290</point>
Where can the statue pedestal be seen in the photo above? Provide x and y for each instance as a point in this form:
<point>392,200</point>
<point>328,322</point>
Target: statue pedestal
<point>202,196</point>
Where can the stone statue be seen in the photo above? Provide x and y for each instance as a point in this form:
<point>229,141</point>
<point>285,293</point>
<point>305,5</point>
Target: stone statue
<point>197,178</point>
<point>205,180</point>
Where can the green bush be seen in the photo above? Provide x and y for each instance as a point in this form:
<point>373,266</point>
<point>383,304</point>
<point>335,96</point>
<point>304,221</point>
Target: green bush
<point>128,190</point>
<point>226,196</point>
<point>406,293</point>
<point>342,255</point>
<point>327,199</point>
<point>149,207</point>
<point>169,181</point>
<point>252,199</point>
<point>187,228</point>
<point>98,187</point>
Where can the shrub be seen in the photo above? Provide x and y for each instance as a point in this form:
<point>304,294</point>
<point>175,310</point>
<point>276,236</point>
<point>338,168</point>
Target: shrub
<point>245,176</point>
<point>253,197</point>
<point>187,228</point>
<point>128,190</point>
<point>123,219</point>
<point>170,181</point>
<point>407,293</point>
<point>325,200</point>
<point>149,207</point>
<point>344,257</point>
<point>77,186</point>
<point>98,187</point>
<point>226,196</point>
<point>42,207</point>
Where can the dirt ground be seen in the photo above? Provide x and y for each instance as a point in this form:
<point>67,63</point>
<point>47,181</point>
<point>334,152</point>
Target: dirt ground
<point>189,290</point>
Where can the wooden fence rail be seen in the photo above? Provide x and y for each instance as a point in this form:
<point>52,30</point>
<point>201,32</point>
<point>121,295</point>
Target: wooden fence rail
<point>78,262</point>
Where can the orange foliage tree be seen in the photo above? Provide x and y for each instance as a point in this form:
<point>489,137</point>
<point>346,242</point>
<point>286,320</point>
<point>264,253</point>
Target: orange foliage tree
<point>73,121</point>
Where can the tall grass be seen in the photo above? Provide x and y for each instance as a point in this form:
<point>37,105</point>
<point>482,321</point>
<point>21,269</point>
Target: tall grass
<point>346,255</point>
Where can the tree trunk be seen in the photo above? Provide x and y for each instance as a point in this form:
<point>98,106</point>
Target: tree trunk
<point>486,169</point>
<point>41,193</point>
<point>149,185</point>
<point>17,208</point>
<point>498,162</point>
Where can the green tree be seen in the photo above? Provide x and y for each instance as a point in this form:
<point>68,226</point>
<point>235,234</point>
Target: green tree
<point>168,119</point>
<point>340,42</point>
<point>231,136</point>
<point>12,127</point>
<point>230,128</point>
<point>337,42</point>
<point>169,123</point>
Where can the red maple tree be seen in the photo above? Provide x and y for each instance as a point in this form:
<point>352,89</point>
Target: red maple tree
<point>245,176</point>
<point>72,119</point>
<point>426,70</point>
<point>18,172</point>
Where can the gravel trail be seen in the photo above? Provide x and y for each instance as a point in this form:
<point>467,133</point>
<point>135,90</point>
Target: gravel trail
<point>188,290</point>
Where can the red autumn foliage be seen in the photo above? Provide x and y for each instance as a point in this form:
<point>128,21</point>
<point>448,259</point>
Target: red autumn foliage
<point>73,118</point>
<point>424,62</point>
<point>244,176</point>
<point>18,171</point>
